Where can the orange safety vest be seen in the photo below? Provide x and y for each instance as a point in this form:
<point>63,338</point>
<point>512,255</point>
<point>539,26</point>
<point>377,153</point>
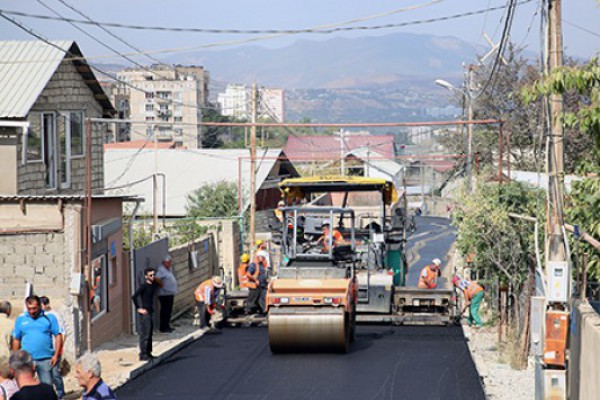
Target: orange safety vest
<point>251,282</point>
<point>430,279</point>
<point>242,277</point>
<point>336,239</point>
<point>200,291</point>
<point>472,289</point>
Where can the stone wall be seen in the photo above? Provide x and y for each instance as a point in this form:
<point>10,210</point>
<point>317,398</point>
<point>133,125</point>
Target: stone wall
<point>66,91</point>
<point>188,277</point>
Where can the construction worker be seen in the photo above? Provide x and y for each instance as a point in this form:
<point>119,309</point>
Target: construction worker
<point>242,269</point>
<point>206,295</point>
<point>257,284</point>
<point>473,293</point>
<point>261,248</point>
<point>337,237</point>
<point>430,274</point>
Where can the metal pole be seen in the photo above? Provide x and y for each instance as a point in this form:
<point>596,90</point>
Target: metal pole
<point>88,229</point>
<point>342,163</point>
<point>470,129</point>
<point>501,145</point>
<point>155,189</point>
<point>253,167</point>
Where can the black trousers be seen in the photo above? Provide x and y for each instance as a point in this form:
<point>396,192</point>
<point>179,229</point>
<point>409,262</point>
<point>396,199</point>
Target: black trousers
<point>145,327</point>
<point>204,315</point>
<point>256,298</point>
<point>166,310</point>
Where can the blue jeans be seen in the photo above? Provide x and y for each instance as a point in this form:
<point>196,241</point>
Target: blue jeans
<point>50,375</point>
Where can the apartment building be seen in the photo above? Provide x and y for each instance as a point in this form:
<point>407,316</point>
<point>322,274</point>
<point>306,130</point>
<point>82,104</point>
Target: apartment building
<point>236,102</point>
<point>164,102</point>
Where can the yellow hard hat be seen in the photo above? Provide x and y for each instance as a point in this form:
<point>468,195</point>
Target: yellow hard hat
<point>245,258</point>
<point>259,242</point>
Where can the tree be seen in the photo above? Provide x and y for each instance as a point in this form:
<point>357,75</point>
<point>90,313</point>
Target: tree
<point>581,84</point>
<point>213,200</point>
<point>503,247</point>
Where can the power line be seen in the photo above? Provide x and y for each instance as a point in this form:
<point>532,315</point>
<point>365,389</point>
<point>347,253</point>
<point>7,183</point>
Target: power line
<point>63,2</point>
<point>317,29</point>
<point>279,33</point>
<point>581,28</point>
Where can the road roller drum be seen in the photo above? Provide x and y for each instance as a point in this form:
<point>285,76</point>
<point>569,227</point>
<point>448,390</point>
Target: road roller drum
<point>309,329</point>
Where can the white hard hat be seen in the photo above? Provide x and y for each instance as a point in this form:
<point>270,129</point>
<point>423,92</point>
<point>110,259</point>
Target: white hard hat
<point>217,281</point>
<point>436,261</point>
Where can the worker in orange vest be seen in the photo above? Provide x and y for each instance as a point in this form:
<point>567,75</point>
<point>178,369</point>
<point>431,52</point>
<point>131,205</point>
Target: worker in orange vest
<point>430,274</point>
<point>242,269</point>
<point>336,236</point>
<point>206,295</point>
<point>257,284</point>
<point>473,293</point>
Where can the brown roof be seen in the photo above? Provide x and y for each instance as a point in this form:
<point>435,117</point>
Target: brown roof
<point>308,148</point>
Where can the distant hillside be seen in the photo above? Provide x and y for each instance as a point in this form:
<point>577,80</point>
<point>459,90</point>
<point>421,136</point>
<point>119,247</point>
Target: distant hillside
<point>339,62</point>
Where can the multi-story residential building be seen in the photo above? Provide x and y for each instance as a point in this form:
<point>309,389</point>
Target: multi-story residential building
<point>164,102</point>
<point>236,102</point>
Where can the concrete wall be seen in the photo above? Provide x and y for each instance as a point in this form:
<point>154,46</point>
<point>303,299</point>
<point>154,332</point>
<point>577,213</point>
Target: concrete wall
<point>188,277</point>
<point>66,91</point>
<point>587,361</point>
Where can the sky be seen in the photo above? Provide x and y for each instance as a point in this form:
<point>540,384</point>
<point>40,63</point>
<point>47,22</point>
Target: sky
<point>580,26</point>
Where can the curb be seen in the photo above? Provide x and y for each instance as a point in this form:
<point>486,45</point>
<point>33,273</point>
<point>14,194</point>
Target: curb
<point>148,365</point>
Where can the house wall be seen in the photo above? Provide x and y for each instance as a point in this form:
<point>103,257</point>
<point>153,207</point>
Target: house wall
<point>66,91</point>
<point>112,323</point>
<point>8,160</point>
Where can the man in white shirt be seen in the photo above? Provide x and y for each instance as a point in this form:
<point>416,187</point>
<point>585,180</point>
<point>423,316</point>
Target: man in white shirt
<point>166,293</point>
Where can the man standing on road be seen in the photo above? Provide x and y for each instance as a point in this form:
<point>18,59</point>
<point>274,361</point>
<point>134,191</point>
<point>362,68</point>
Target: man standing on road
<point>145,309</point>
<point>257,283</point>
<point>30,388</point>
<point>207,295</point>
<point>6,328</point>
<point>430,274</point>
<point>34,331</point>
<point>165,278</point>
<point>261,249</point>
<point>473,293</point>
<point>57,379</point>
<point>88,372</point>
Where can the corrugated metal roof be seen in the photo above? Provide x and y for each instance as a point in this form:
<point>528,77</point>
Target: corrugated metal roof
<point>376,160</point>
<point>185,171</point>
<point>25,69</point>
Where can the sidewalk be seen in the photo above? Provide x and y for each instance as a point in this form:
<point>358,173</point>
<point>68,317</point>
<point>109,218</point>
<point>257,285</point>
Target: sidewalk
<point>119,357</point>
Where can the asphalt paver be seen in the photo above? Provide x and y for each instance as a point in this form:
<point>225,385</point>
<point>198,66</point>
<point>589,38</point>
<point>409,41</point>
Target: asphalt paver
<point>385,362</point>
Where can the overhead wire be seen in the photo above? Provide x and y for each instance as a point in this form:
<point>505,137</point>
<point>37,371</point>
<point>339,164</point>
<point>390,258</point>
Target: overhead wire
<point>282,32</point>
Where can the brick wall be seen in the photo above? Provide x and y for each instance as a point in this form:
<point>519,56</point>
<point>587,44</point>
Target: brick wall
<point>66,91</point>
<point>188,278</point>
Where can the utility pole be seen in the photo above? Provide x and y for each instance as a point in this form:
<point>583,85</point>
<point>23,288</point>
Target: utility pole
<point>155,188</point>
<point>558,270</point>
<point>253,167</point>
<point>469,98</point>
<point>342,163</point>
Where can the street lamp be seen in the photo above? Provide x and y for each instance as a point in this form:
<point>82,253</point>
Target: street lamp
<point>469,100</point>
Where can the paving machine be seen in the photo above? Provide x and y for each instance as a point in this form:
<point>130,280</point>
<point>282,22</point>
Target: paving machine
<point>366,274</point>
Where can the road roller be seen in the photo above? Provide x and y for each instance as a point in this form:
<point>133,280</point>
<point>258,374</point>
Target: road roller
<point>312,302</point>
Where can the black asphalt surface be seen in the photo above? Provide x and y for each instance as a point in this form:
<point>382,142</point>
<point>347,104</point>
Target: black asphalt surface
<point>386,362</point>
<point>433,237</point>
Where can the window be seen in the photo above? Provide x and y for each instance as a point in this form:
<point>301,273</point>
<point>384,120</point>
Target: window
<point>50,148</point>
<point>178,119</point>
<point>98,287</point>
<point>35,142</point>
<point>76,135</point>
<point>149,107</point>
<point>149,118</point>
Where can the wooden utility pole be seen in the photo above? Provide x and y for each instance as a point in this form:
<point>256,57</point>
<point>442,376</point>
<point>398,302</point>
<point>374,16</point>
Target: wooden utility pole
<point>253,167</point>
<point>554,143</point>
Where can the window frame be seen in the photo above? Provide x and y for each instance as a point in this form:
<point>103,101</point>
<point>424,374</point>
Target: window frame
<point>104,283</point>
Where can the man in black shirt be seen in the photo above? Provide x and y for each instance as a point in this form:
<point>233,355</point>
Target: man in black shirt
<point>145,309</point>
<point>30,388</point>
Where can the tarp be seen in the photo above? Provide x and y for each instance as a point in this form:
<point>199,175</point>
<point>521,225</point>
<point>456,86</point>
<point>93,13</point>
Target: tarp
<point>299,187</point>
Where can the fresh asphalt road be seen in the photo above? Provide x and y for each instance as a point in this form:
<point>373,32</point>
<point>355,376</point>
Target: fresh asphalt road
<point>385,362</point>
<point>432,239</point>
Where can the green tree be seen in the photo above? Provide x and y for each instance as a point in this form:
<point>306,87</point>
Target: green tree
<point>213,200</point>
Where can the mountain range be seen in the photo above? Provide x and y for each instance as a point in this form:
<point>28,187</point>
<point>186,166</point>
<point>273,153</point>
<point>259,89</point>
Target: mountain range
<point>338,62</point>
